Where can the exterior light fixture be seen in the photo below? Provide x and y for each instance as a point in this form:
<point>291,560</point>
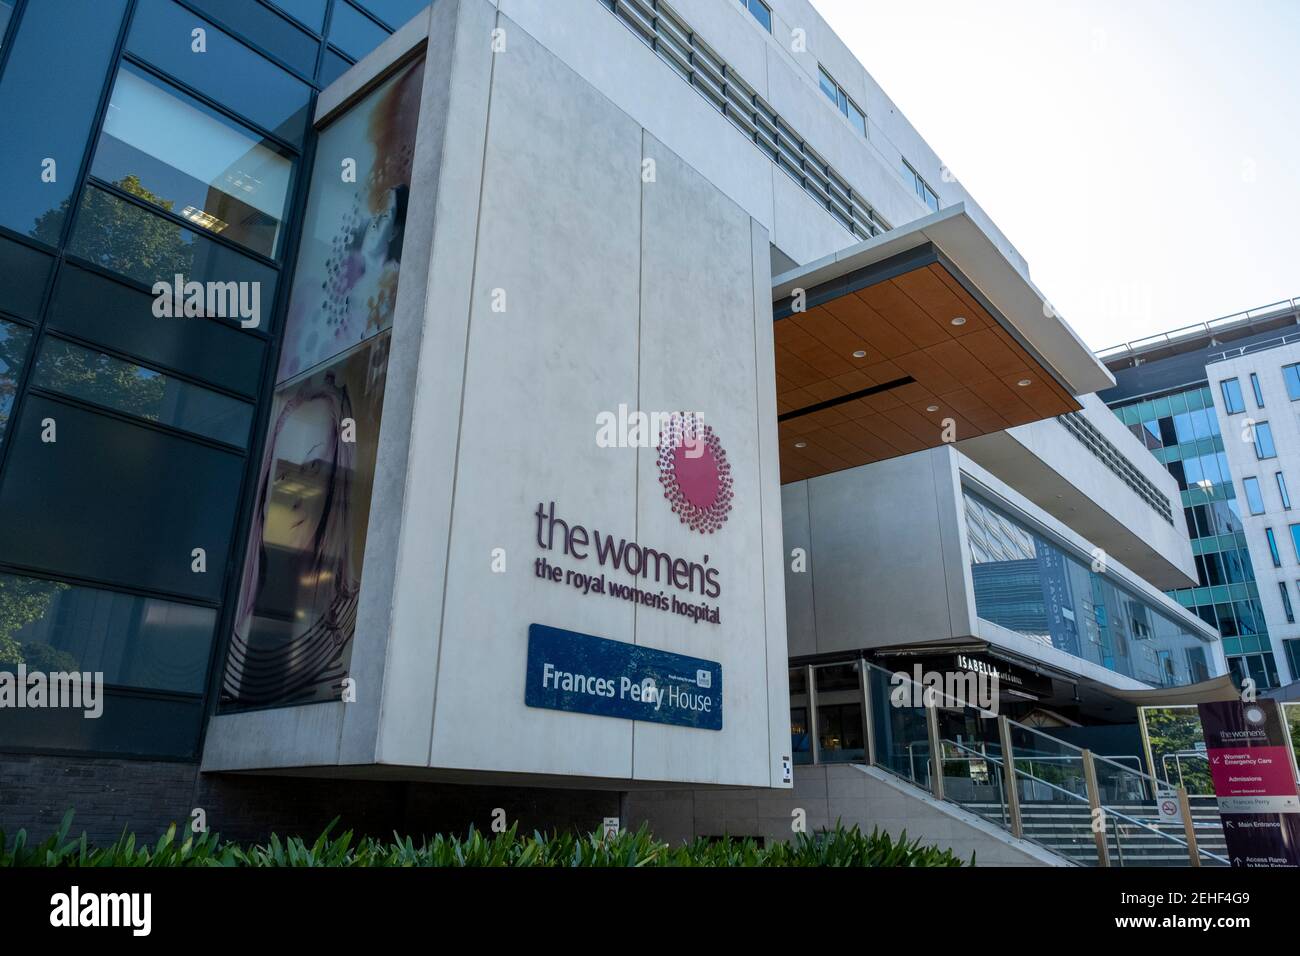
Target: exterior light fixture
<point>959,320</point>
<point>1023,382</point>
<point>859,354</point>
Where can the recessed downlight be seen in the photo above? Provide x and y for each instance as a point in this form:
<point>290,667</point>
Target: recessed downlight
<point>801,444</point>
<point>859,354</point>
<point>959,320</point>
<point>932,408</point>
<point>1024,382</point>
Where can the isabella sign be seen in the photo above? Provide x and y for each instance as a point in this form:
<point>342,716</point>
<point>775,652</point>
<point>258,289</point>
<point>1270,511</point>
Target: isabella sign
<point>1254,780</point>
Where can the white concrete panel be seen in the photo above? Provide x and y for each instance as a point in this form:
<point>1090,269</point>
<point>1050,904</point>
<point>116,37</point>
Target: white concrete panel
<point>606,54</point>
<point>807,232</point>
<point>402,594</point>
<point>800,615</point>
<point>559,233</point>
<point>769,463</point>
<point>698,288</point>
<point>877,548</point>
<point>285,737</point>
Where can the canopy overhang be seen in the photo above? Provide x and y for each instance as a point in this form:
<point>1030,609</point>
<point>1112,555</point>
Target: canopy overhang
<point>925,335</point>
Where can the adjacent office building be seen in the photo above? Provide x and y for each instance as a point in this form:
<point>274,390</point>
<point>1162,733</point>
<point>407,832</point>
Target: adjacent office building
<point>1213,403</point>
<point>412,410</point>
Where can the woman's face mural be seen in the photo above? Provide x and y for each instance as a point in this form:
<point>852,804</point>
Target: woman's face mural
<point>302,571</point>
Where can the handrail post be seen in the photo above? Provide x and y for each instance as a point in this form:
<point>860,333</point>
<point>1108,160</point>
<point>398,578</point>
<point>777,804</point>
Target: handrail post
<point>810,677</point>
<point>1189,829</point>
<point>936,753</point>
<point>868,718</point>
<point>1096,812</point>
<point>1009,777</point>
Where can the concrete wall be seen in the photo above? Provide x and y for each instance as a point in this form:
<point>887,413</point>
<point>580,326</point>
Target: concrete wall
<point>596,45</point>
<point>1047,464</point>
<point>888,562</point>
<point>827,794</point>
<point>1238,446</point>
<point>653,293</point>
<point>884,558</point>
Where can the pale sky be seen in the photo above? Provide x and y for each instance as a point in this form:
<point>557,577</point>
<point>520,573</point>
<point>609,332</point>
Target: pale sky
<point>1143,155</point>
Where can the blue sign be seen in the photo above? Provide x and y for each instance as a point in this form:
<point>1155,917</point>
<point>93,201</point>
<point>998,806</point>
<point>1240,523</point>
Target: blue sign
<point>593,675</point>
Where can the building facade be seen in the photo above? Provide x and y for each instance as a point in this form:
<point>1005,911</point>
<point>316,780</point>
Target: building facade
<point>1200,399</point>
<point>409,409</point>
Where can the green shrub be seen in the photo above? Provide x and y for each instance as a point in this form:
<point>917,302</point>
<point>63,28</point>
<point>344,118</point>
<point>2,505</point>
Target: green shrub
<point>838,847</point>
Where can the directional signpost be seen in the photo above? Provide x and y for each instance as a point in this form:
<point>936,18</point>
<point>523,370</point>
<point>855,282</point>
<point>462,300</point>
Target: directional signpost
<point>1254,779</point>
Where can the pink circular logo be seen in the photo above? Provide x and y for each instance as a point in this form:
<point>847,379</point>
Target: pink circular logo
<point>695,474</point>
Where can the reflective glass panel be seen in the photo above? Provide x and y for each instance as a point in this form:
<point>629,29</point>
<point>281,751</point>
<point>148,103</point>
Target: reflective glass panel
<point>136,390</point>
<point>133,641</point>
<point>227,71</point>
<point>181,156</point>
<point>48,99</point>
<point>119,235</point>
<point>14,341</point>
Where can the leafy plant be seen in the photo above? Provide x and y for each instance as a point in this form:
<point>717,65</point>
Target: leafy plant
<point>838,847</point>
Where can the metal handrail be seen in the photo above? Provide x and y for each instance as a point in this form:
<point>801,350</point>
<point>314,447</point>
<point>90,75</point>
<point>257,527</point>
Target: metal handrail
<point>1199,328</point>
<point>1155,782</point>
<point>1110,811</point>
<point>1253,348</point>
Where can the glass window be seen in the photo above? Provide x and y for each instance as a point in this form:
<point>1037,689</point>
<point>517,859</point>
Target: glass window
<point>1232,400</point>
<point>1286,602</point>
<point>1282,492</point>
<point>1254,500</point>
<point>14,341</point>
<point>332,67</point>
<point>310,13</point>
<point>109,313</point>
<point>127,239</point>
<point>302,570</point>
<point>1264,447</point>
<point>272,33</point>
<point>137,642</point>
<point>1272,548</point>
<point>1259,394</point>
<point>1030,584</point>
<point>135,390</point>
<point>1292,648</point>
<point>353,32</point>
<point>49,96</point>
<point>176,153</point>
<point>839,713</point>
<point>1295,539</point>
<point>1291,375</point>
<point>857,118</point>
<point>6,11</point>
<point>761,11</point>
<point>25,271</point>
<point>829,86</point>
<point>229,72</point>
<point>134,518</point>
